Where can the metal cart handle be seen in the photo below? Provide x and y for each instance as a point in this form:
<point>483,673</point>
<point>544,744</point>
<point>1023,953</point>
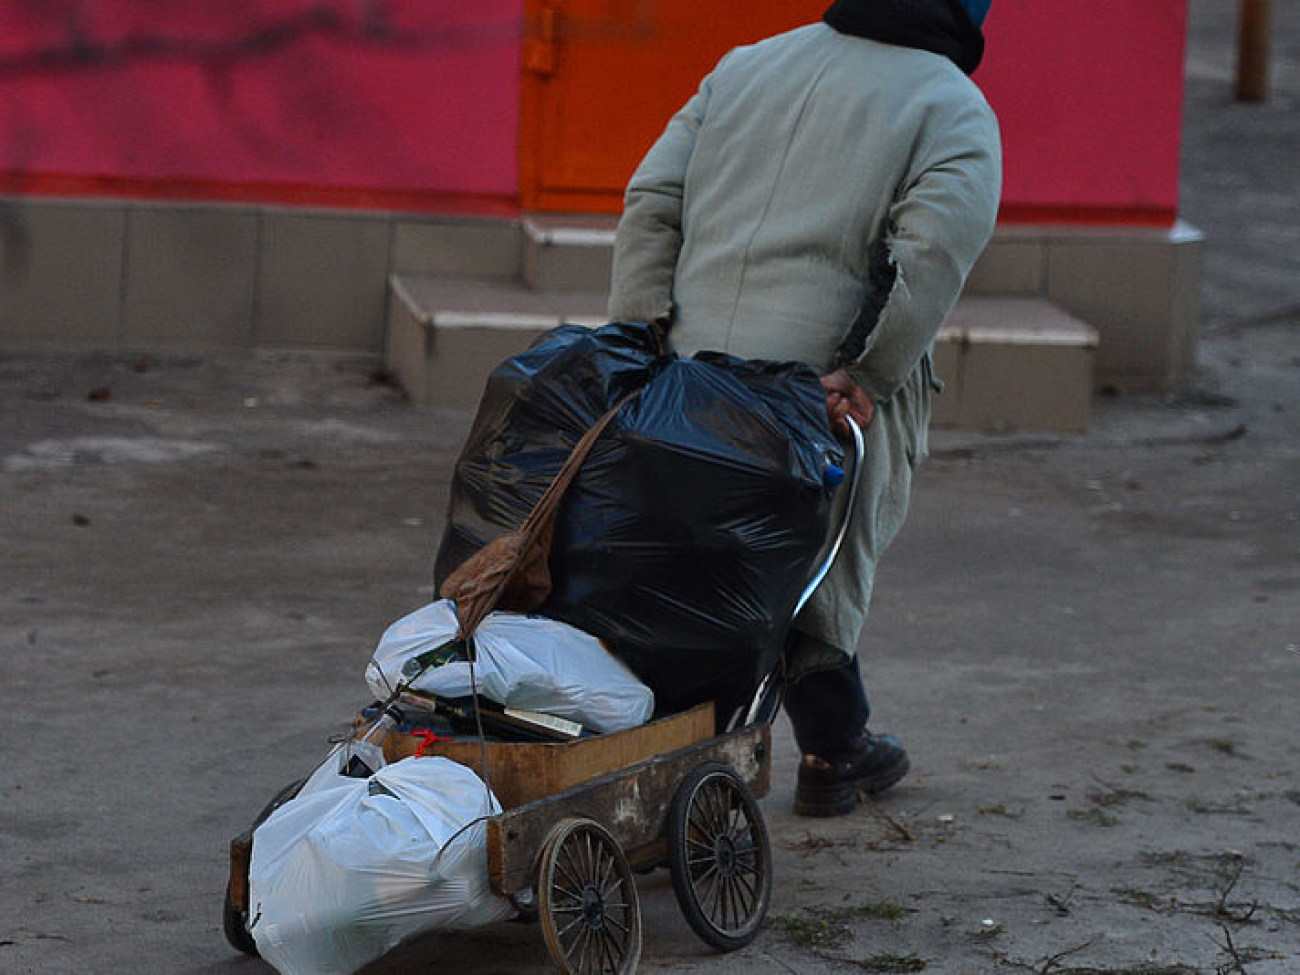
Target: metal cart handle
<point>767,699</point>
<point>854,479</point>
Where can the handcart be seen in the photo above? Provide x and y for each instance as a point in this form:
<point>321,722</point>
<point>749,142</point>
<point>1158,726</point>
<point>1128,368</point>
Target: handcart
<point>580,819</point>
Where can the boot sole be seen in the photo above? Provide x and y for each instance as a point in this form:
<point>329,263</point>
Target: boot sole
<point>823,801</point>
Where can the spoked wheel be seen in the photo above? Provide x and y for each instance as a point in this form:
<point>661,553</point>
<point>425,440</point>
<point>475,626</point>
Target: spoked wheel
<point>234,910</point>
<point>591,917</point>
<point>234,924</point>
<point>719,857</point>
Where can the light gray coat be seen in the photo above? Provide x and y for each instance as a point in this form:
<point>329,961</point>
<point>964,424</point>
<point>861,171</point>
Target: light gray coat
<point>752,221</point>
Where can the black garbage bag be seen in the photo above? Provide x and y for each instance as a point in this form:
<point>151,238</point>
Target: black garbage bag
<point>692,528</point>
<point>535,407</point>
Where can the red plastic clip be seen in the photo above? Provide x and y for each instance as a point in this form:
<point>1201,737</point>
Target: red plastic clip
<point>427,738</point>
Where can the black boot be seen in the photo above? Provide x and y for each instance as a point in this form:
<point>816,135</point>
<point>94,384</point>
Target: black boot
<point>830,785</point>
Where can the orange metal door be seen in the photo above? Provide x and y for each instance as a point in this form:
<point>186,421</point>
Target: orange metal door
<point>602,77</point>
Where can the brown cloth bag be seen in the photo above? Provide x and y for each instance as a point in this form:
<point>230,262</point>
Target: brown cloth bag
<point>513,572</point>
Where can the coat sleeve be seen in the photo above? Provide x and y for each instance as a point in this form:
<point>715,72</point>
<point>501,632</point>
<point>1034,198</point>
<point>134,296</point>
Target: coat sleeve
<point>649,235</point>
<point>938,225</point>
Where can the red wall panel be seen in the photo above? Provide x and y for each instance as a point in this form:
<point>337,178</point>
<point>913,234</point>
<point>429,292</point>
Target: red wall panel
<point>380,101</point>
<point>1090,99</point>
<point>416,102</point>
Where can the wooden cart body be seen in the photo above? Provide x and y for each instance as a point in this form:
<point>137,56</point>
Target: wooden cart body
<point>626,782</point>
<point>632,803</point>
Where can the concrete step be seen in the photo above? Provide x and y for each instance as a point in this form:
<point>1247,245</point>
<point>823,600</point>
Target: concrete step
<point>444,335</point>
<point>568,252</point>
<point>1014,364</point>
<point>1008,363</point>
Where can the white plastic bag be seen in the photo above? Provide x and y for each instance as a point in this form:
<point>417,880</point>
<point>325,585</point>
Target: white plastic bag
<point>522,661</point>
<point>350,867</point>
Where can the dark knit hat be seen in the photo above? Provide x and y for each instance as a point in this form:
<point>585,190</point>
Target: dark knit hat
<point>943,27</point>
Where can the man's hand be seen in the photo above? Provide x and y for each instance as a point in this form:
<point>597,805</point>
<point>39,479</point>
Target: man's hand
<point>844,398</point>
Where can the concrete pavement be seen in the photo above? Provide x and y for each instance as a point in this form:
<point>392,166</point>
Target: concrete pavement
<point>1091,645</point>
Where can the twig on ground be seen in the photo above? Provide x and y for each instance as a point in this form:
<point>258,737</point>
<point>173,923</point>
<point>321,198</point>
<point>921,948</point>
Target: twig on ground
<point>1046,965</point>
<point>903,832</point>
<point>1050,962</point>
<point>1222,908</point>
<point>1061,901</point>
<point>1236,964</point>
<point>792,971</point>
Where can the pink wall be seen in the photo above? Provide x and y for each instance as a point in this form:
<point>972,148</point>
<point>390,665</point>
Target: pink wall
<point>286,99</point>
<point>417,103</point>
<point>1090,99</point>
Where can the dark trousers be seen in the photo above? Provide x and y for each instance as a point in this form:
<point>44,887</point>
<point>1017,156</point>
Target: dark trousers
<point>828,709</point>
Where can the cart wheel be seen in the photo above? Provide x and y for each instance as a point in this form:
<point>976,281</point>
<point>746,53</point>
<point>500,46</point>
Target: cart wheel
<point>234,922</point>
<point>591,918</point>
<point>234,917</point>
<point>719,857</point>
